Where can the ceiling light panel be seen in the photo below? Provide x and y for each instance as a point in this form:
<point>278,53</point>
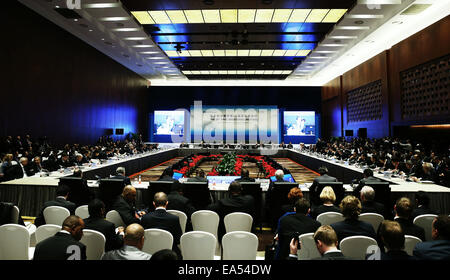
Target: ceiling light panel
<point>299,15</point>
<point>281,15</point>
<point>142,17</point>
<point>334,15</point>
<point>160,17</point>
<point>176,16</point>
<point>194,16</point>
<point>219,53</point>
<point>264,15</point>
<point>229,15</point>
<point>211,16</point>
<point>317,15</point>
<point>246,15</point>
<point>237,72</point>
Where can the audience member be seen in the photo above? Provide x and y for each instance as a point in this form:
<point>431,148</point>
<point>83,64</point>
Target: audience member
<point>294,224</point>
<point>125,205</point>
<point>314,189</point>
<point>293,195</point>
<point>133,242</point>
<point>120,174</point>
<point>439,247</point>
<point>368,177</point>
<point>369,205</point>
<point>179,202</point>
<point>351,208</point>
<point>201,177</point>
<point>245,176</point>
<point>96,221</point>
<point>62,192</point>
<point>403,209</point>
<point>328,198</point>
<point>422,205</point>
<point>165,255</point>
<point>64,245</point>
<point>392,238</point>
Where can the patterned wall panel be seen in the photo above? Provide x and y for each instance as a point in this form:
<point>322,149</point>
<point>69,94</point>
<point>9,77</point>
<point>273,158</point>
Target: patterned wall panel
<point>425,89</point>
<point>365,103</point>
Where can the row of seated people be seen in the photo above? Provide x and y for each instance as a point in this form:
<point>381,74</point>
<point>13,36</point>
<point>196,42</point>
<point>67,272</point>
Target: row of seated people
<point>415,160</point>
<point>256,145</point>
<point>20,160</point>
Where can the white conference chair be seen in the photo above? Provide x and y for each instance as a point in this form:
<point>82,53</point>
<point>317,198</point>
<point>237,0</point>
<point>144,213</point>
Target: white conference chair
<point>198,245</point>
<point>55,215</point>
<point>329,218</point>
<point>426,222</point>
<point>239,245</point>
<point>15,243</point>
<point>238,221</point>
<point>82,212</point>
<point>156,240</point>
<point>374,219</point>
<point>95,244</point>
<point>182,216</point>
<point>308,249</point>
<point>45,231</point>
<point>205,220</point>
<point>15,215</point>
<point>410,243</point>
<point>356,246</point>
<point>114,217</point>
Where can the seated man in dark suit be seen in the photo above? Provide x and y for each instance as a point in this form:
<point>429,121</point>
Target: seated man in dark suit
<point>291,225</point>
<point>235,203</point>
<point>403,209</point>
<point>120,174</point>
<point>392,238</point>
<point>64,161</point>
<point>125,205</point>
<point>351,208</point>
<point>245,177</point>
<point>326,243</point>
<point>313,190</point>
<point>439,247</point>
<point>181,203</point>
<point>62,192</point>
<point>368,177</point>
<point>96,221</point>
<point>161,219</point>
<point>422,205</point>
<point>201,177</point>
<point>64,245</point>
<point>367,196</point>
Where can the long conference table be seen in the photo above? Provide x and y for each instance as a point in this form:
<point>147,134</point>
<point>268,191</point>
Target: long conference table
<point>30,193</point>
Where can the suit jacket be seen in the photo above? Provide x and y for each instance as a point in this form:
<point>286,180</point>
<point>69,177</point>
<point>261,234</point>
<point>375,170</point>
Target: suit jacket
<point>372,207</point>
<point>180,203</point>
<point>127,253</point>
<point>289,225</point>
<point>433,250</point>
<point>127,212</point>
<point>411,229</point>
<point>351,227</point>
<point>57,247</point>
<point>59,201</point>
<point>333,256</point>
<point>395,255</point>
<point>161,219</point>
<point>316,211</point>
<point>421,210</point>
<point>313,190</point>
<point>125,179</point>
<point>113,240</point>
<point>362,183</point>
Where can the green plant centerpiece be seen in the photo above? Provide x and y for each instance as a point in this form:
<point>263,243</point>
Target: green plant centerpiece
<point>227,164</point>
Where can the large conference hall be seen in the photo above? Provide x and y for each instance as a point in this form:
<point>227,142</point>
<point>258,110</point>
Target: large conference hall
<point>216,130</point>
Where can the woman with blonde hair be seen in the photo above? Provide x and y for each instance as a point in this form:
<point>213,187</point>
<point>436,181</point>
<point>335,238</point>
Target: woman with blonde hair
<point>328,198</point>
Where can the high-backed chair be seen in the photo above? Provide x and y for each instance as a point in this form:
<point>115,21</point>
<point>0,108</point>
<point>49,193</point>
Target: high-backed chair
<point>198,193</point>
<point>55,215</point>
<point>198,245</point>
<point>356,246</point>
<point>78,193</point>
<point>82,212</point>
<point>410,243</point>
<point>426,222</point>
<point>278,198</point>
<point>114,217</point>
<point>109,189</point>
<point>205,220</point>
<point>238,221</point>
<point>374,219</point>
<point>156,240</point>
<point>308,249</point>
<point>95,244</point>
<point>239,245</point>
<point>329,218</point>
<point>45,231</point>
<point>182,216</point>
<point>14,242</point>
<point>254,189</point>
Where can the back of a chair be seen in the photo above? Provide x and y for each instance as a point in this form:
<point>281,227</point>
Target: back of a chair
<point>382,192</point>
<point>238,221</point>
<point>15,215</point>
<point>156,240</point>
<point>78,193</point>
<point>82,212</point>
<point>198,193</point>
<point>254,189</point>
<point>156,187</point>
<point>14,242</point>
<point>205,220</point>
<point>355,247</point>
<point>410,243</point>
<point>425,221</point>
<point>374,219</point>
<point>239,245</point>
<point>198,245</point>
<point>109,189</point>
<point>308,249</point>
<point>55,215</point>
<point>45,231</point>
<point>329,218</point>
<point>182,216</point>
<point>95,244</point>
<point>114,217</point>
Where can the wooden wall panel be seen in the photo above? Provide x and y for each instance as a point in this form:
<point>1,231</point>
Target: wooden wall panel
<point>58,86</point>
<point>332,108</point>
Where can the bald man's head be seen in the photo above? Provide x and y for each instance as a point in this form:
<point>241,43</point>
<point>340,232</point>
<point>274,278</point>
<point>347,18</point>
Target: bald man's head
<point>160,199</point>
<point>134,236</point>
<point>129,194</point>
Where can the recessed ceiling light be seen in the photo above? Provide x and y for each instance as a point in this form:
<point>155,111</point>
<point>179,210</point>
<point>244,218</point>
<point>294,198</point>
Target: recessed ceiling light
<point>359,22</point>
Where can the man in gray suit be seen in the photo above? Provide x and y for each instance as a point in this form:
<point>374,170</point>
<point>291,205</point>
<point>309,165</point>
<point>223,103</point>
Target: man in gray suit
<point>133,242</point>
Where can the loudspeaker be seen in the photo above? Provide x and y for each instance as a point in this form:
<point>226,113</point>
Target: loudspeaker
<point>109,131</point>
<point>362,132</point>
<point>349,132</point>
